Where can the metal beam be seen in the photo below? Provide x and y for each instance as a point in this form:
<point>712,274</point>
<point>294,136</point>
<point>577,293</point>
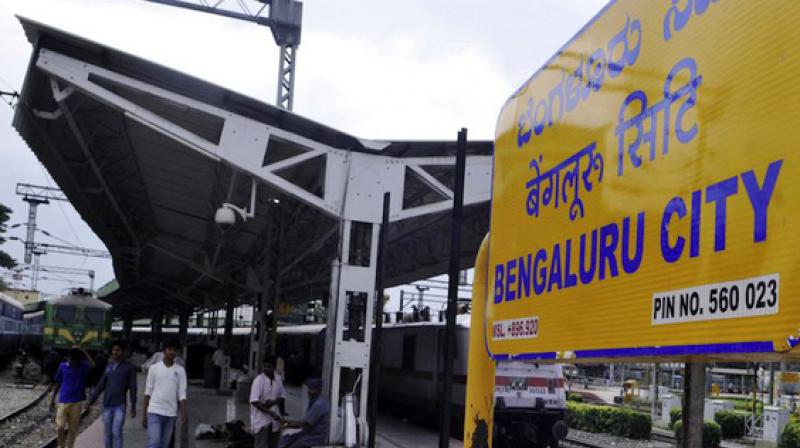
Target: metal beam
<point>313,248</point>
<point>243,14</point>
<point>197,267</point>
<point>76,132</point>
<point>39,192</point>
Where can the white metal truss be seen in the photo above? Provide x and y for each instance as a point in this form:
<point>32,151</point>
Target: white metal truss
<point>244,143</point>
<point>352,191</point>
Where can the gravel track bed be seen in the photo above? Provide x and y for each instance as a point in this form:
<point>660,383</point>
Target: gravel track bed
<point>13,397</point>
<point>606,440</point>
<point>36,426</point>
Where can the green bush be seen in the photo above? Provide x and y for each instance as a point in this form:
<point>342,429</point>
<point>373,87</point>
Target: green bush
<point>712,434</point>
<point>674,416</point>
<point>790,438</point>
<point>606,419</point>
<point>732,423</point>
<point>576,398</point>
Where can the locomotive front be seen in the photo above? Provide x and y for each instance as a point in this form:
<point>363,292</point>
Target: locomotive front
<point>77,319</point>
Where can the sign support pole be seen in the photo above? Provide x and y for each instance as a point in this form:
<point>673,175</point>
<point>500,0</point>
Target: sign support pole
<point>375,362</point>
<point>452,290</point>
<point>693,399</point>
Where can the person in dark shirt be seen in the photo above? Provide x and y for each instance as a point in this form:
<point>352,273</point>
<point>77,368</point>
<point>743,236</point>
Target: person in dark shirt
<point>51,363</point>
<point>70,388</point>
<point>314,425</point>
<point>118,378</point>
<point>100,361</point>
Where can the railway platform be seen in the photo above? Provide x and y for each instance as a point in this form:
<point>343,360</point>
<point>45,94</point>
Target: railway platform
<point>205,406</point>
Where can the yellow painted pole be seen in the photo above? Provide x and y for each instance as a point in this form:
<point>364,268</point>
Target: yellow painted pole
<point>480,379</point>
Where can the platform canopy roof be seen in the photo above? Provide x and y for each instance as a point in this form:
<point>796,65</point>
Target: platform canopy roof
<point>147,155</point>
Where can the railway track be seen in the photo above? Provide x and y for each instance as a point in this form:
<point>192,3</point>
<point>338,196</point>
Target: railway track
<point>27,426</point>
<point>655,436</point>
<point>577,443</point>
<point>52,442</point>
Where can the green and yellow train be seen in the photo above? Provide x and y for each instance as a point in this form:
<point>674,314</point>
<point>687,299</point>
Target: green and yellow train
<point>76,318</point>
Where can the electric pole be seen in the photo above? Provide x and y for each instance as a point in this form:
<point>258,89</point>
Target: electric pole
<point>283,17</point>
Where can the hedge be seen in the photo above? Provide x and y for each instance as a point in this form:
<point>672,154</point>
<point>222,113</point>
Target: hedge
<point>732,423</point>
<point>790,438</point>
<point>577,398</point>
<point>674,416</point>
<point>606,419</point>
<point>712,434</point>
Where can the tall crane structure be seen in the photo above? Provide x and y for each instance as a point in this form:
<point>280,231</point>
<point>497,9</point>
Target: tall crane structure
<point>34,196</point>
<point>283,17</point>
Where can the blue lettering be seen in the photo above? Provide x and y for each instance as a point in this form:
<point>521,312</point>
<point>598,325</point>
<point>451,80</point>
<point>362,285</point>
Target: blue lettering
<point>576,85</point>
<point>596,70</point>
<point>588,274</point>
<point>670,253</point>
<point>631,265</point>
<point>524,282</point>
<point>609,238</point>
<point>555,269</point>
<point>556,94</point>
<point>540,279</point>
<point>511,278</point>
<point>694,236</point>
<point>498,283</point>
<point>573,86</point>
<point>719,193</point>
<point>760,197</point>
<point>570,278</point>
<point>525,125</point>
<point>539,118</point>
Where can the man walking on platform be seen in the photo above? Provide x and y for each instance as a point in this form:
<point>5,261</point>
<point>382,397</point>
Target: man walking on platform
<point>118,379</point>
<point>267,397</point>
<point>315,423</point>
<point>70,387</point>
<point>165,393</point>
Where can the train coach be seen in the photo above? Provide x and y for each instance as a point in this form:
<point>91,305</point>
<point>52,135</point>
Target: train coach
<point>12,327</point>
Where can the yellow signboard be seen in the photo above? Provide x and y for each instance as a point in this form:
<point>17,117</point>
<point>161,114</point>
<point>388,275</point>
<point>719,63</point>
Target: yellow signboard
<point>646,179</point>
<point>790,377</point>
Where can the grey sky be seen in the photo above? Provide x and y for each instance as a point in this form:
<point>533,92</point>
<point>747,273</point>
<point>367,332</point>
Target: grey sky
<point>413,69</point>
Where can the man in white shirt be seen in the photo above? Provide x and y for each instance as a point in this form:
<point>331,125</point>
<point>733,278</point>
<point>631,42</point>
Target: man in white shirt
<point>164,393</point>
<point>267,397</point>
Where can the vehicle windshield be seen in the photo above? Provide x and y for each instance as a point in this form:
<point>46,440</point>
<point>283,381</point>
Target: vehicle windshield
<point>94,316</point>
<point>65,314</point>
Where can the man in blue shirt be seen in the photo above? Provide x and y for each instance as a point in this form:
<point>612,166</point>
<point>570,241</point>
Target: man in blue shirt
<point>314,425</point>
<point>71,390</point>
<point>118,379</point>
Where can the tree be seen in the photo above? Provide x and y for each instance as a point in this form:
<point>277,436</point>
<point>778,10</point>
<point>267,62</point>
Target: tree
<point>6,260</point>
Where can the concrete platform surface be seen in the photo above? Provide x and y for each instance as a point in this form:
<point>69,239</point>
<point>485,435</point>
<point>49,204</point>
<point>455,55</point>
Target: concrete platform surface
<point>205,406</point>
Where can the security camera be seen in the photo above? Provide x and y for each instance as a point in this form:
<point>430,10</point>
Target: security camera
<point>225,216</point>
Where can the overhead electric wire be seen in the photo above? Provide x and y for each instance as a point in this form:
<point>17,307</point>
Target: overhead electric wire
<point>64,213</point>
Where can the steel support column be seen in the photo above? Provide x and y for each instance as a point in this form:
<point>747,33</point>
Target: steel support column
<point>347,342</point>
<point>127,327</point>
<point>286,69</point>
<point>228,336</point>
<point>375,361</point>
<point>155,329</point>
<point>452,291</point>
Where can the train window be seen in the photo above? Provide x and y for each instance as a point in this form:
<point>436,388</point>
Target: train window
<point>94,316</point>
<point>409,352</point>
<point>65,314</point>
<point>2,310</point>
